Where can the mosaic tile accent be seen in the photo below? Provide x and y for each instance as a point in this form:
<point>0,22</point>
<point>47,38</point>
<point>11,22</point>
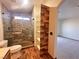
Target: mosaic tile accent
<point>44,29</point>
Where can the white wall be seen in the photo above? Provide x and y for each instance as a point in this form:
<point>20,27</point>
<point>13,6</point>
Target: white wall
<point>70,28</point>
<point>59,25</point>
<point>22,15</point>
<point>1,26</point>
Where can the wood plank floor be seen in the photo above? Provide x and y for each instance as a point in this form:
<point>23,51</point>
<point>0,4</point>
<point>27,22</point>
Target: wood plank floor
<point>66,49</point>
<point>32,53</point>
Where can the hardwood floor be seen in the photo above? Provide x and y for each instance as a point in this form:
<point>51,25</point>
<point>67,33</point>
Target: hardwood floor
<point>32,53</point>
<point>66,49</point>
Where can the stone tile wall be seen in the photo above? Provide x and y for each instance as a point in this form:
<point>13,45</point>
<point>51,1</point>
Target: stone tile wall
<point>17,31</point>
<point>23,32</point>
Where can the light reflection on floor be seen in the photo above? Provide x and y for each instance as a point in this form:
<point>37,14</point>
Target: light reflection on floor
<point>67,49</point>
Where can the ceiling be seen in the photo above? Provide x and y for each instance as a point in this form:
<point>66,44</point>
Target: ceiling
<point>21,6</point>
<point>69,9</point>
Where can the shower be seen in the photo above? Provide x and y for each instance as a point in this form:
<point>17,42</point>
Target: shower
<point>18,29</point>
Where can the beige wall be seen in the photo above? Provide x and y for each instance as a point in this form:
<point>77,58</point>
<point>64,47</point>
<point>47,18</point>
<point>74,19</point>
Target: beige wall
<point>36,15</point>
<point>52,3</point>
<point>1,26</point>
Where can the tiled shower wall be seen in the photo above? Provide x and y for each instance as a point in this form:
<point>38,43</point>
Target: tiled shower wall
<point>17,31</point>
<point>22,32</point>
<point>6,24</point>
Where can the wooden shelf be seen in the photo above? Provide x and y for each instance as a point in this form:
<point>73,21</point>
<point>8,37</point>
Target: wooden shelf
<point>45,47</point>
<point>42,29</point>
<point>38,46</point>
<point>38,39</point>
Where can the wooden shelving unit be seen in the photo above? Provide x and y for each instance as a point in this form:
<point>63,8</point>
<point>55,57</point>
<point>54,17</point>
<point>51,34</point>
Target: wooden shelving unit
<point>44,29</point>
